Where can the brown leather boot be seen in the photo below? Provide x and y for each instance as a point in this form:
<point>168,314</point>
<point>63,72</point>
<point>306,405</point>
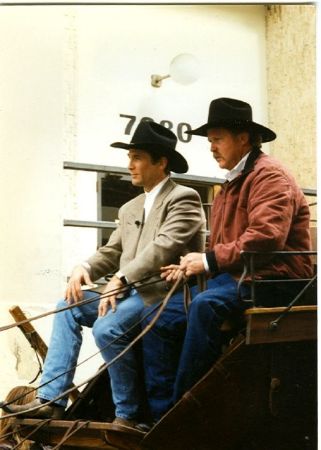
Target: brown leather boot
<point>44,411</point>
<point>124,422</point>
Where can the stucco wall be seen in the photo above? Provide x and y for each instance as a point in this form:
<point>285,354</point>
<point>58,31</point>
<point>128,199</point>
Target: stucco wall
<point>291,85</point>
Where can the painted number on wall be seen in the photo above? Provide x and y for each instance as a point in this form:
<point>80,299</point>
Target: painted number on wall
<point>180,129</point>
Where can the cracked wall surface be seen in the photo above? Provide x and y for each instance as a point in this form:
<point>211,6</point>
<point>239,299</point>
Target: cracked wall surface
<point>291,86</point>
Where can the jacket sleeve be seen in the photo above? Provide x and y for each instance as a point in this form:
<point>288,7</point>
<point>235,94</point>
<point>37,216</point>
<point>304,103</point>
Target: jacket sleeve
<point>269,212</point>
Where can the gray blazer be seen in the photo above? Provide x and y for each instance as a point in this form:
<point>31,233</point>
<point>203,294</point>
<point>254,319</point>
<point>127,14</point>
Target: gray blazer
<point>175,226</point>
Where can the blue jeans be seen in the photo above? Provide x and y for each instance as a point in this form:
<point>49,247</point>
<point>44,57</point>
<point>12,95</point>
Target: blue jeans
<point>175,360</point>
<point>66,340</point>
<point>162,346</point>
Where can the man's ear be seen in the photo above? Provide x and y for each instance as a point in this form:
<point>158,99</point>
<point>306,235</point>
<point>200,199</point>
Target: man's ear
<point>244,137</point>
<point>163,162</point>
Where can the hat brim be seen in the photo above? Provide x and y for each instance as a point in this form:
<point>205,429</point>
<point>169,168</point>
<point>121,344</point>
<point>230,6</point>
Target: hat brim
<point>177,162</point>
<point>266,134</point>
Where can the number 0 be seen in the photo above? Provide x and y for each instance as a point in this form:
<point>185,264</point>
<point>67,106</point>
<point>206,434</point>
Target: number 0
<point>183,137</point>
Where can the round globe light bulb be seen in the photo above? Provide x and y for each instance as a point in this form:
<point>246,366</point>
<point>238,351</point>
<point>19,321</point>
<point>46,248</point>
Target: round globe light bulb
<point>184,68</point>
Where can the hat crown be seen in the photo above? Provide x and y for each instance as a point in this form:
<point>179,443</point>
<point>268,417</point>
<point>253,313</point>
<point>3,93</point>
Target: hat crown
<point>148,132</point>
<point>229,110</point>
<point>156,140</point>
<point>232,113</point>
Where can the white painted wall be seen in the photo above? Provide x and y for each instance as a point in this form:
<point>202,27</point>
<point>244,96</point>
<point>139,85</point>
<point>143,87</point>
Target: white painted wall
<point>129,43</point>
<point>120,47</point>
<point>66,75</point>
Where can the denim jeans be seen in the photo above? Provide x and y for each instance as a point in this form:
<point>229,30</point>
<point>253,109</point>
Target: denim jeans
<point>162,346</point>
<point>174,360</point>
<point>66,340</point>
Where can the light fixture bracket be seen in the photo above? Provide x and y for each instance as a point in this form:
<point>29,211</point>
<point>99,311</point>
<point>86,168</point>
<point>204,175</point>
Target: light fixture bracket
<point>156,80</point>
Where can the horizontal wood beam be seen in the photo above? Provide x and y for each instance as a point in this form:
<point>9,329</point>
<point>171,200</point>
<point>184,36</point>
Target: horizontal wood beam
<point>94,435</point>
<point>299,324</point>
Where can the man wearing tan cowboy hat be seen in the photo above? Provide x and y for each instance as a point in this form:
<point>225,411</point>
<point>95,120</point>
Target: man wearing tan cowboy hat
<point>155,228</point>
<point>259,208</point>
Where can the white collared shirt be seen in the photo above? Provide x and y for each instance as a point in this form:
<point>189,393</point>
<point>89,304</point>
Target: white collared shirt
<point>151,195</point>
<point>230,175</point>
<point>233,173</point>
<point>149,201</point>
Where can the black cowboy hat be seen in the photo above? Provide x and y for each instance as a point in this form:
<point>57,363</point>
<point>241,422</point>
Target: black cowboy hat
<point>156,139</point>
<point>230,112</point>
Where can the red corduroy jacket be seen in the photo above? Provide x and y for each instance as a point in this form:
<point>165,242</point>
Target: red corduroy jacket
<point>263,210</point>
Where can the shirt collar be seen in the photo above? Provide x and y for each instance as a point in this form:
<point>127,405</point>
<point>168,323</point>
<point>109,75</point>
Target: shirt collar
<point>156,188</point>
<point>151,195</point>
<point>233,173</point>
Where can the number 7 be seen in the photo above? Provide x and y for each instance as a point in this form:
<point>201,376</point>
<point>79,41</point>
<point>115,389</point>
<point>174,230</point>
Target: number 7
<point>130,124</point>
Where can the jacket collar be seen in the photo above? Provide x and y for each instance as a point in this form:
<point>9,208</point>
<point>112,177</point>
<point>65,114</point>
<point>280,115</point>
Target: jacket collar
<point>168,186</point>
<point>249,165</point>
<point>253,156</point>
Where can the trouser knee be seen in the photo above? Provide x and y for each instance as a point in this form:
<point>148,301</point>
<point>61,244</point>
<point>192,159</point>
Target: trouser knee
<point>200,306</point>
<point>61,304</point>
<point>102,333</point>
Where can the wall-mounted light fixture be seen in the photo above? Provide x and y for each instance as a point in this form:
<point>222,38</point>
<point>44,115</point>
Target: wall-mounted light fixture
<point>183,69</point>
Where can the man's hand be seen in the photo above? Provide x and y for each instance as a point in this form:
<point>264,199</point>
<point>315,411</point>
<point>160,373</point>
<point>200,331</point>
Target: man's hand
<point>171,272</point>
<point>78,278</point>
<point>191,264</point>
<point>109,300</point>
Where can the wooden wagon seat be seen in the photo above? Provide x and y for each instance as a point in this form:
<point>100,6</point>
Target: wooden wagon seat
<point>299,323</point>
<point>268,325</point>
<point>90,435</point>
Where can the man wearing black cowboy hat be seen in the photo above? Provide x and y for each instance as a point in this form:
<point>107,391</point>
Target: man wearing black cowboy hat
<point>154,228</point>
<point>259,208</point>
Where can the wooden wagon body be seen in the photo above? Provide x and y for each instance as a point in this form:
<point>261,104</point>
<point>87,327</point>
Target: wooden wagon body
<point>260,395</point>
